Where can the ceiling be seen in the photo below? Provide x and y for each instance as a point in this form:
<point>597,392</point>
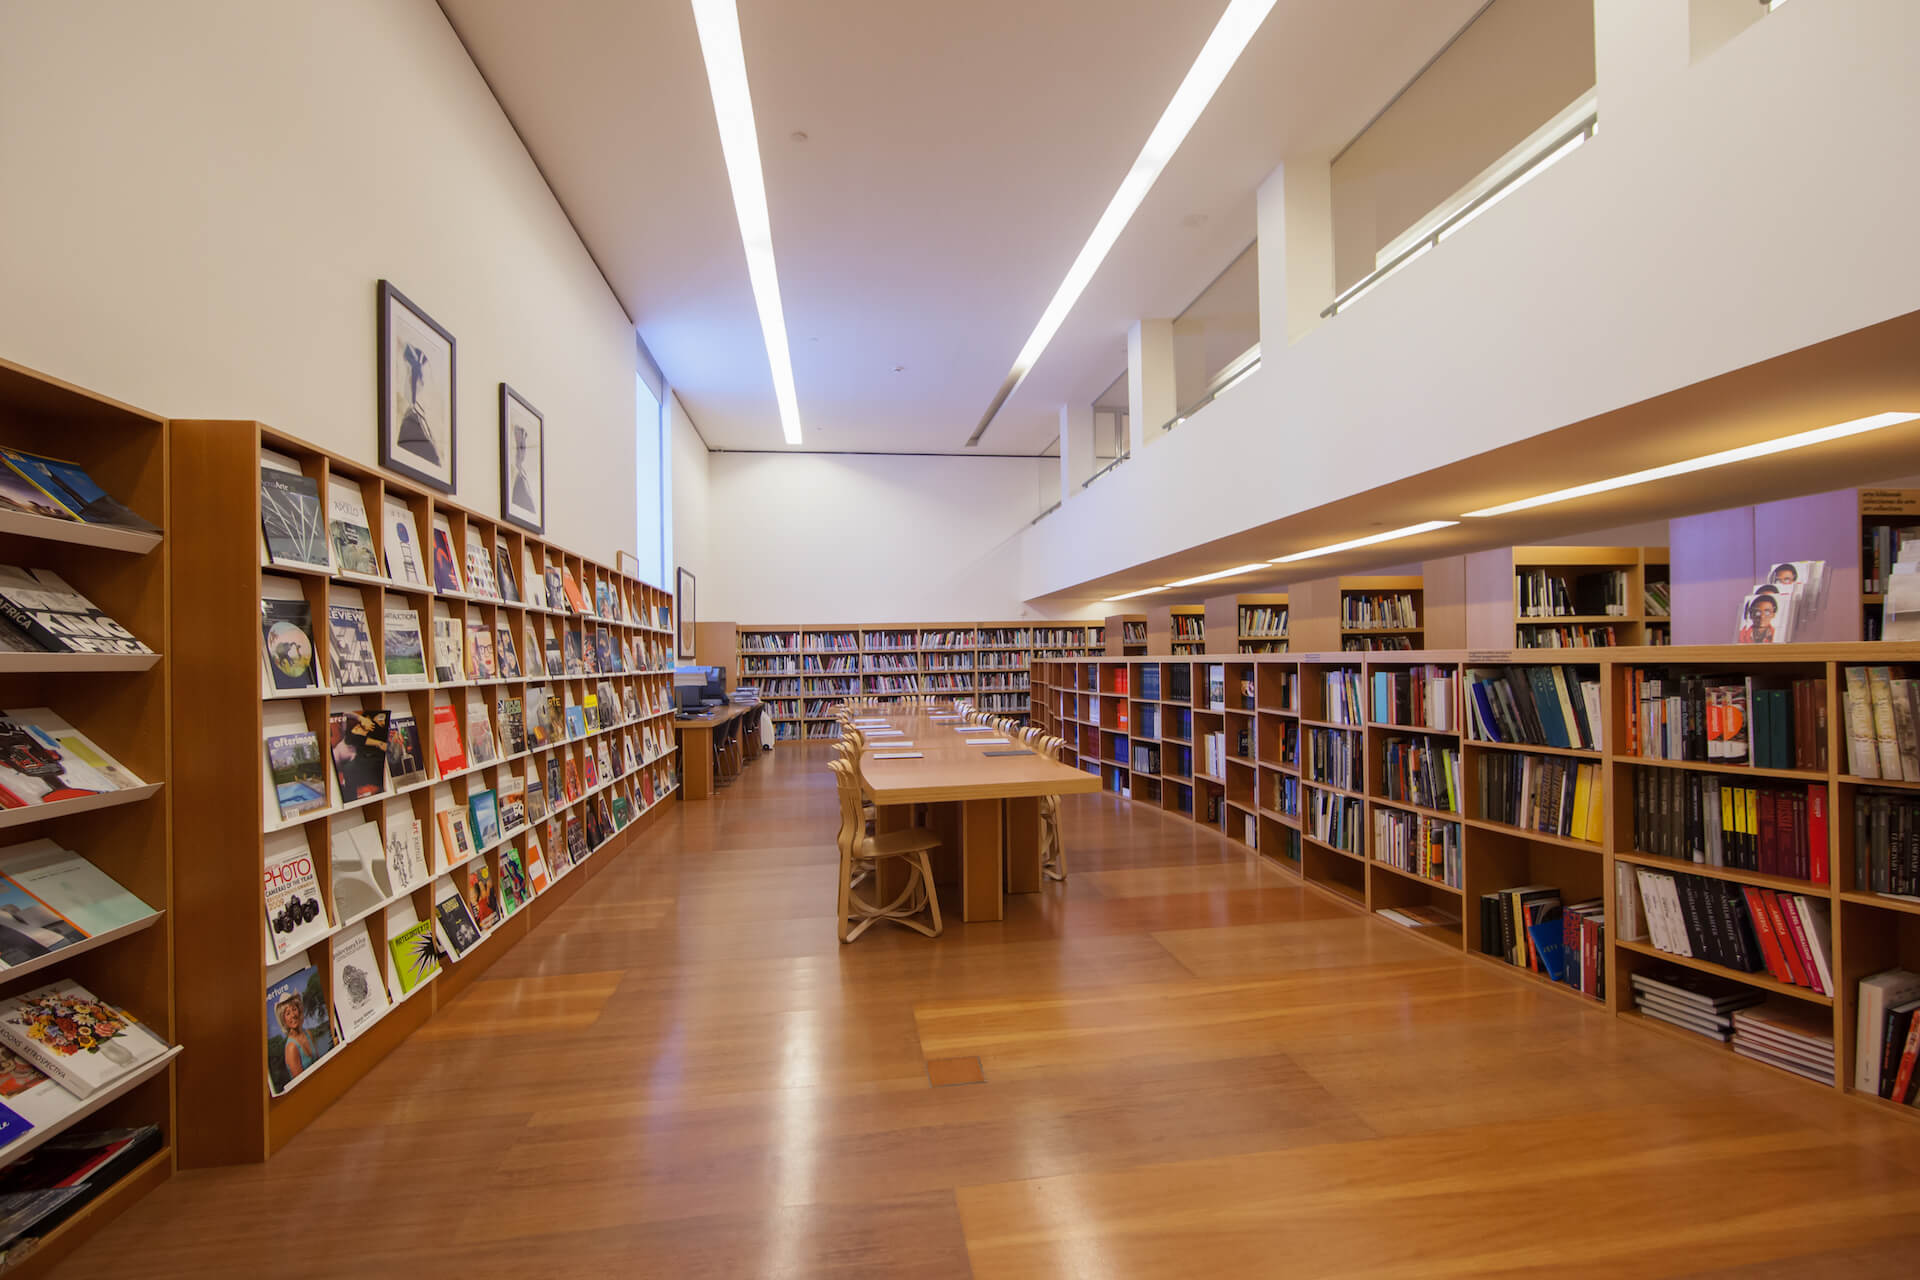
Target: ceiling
<point>955,158</point>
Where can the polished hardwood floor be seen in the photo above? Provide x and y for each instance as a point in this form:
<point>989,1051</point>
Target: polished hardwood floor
<point>1188,1066</point>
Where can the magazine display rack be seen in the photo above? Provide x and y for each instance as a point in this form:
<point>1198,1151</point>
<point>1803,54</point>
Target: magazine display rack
<point>610,746</point>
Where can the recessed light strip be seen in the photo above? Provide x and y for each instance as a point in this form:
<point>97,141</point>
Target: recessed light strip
<point>1370,540</point>
<point>1222,49</point>
<point>719,25</point>
<point>1144,591</point>
<point>1783,444</point>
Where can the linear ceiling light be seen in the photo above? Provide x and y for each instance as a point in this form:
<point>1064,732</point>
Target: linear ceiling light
<point>1368,541</point>
<point>719,24</point>
<point>1222,49</point>
<point>1706,460</point>
<point>1215,577</point>
<point>1144,591</point>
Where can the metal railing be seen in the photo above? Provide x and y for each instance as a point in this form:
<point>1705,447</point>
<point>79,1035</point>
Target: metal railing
<point>1241,366</point>
<point>1547,154</point>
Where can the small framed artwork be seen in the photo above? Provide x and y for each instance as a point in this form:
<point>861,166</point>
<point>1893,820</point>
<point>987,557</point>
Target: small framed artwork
<point>523,462</point>
<point>416,393</point>
<point>683,605</point>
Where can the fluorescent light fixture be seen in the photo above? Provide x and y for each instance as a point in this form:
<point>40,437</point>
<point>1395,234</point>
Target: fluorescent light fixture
<point>719,25</point>
<point>1144,591</point>
<point>1371,539</point>
<point>1217,56</point>
<point>1820,435</point>
<point>1215,577</point>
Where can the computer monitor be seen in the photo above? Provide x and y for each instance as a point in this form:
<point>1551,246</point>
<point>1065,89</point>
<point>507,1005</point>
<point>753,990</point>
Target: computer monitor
<point>687,697</point>
<point>716,690</point>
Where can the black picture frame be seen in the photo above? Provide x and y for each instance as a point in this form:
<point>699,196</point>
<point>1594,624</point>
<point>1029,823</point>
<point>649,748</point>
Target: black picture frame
<point>683,611</point>
<point>515,411</point>
<point>409,443</point>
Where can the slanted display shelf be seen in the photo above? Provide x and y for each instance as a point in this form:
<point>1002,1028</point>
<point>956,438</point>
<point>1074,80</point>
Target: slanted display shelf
<point>399,660</point>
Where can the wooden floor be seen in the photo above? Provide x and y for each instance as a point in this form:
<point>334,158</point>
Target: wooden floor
<point>1192,1067</point>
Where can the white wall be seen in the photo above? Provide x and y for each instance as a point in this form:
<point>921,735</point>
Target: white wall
<point>200,196</point>
<point>810,537</point>
<point>1730,209</point>
<point>690,507</point>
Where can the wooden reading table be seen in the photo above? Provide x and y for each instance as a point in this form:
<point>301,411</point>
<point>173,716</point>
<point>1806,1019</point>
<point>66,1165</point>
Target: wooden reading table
<point>984,806</point>
<point>715,747</point>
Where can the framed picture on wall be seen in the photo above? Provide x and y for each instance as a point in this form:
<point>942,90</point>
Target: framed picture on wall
<point>523,462</point>
<point>683,604</point>
<point>416,393</point>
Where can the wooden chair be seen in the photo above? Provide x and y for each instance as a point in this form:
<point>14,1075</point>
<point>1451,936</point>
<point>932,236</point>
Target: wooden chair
<point>1053,853</point>
<point>858,914</point>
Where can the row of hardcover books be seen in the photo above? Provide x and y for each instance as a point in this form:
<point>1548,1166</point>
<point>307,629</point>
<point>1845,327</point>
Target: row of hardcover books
<point>1778,829</point>
<point>1740,927</point>
<point>1528,927</point>
<point>1886,843</point>
<point>1771,724</point>
<point>1534,706</point>
<point>1882,710</point>
<point>1418,697</point>
<point>1542,593</point>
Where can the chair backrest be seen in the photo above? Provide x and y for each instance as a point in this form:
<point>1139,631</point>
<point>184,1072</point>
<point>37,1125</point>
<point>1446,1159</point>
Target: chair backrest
<point>852,824</point>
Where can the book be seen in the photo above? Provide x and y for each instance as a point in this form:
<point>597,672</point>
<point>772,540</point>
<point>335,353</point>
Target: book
<point>406,855</point>
<point>286,635</point>
<point>1878,994</point>
<point>348,531</point>
<point>359,871</point>
<point>536,866</point>
<point>507,655</point>
<point>415,957</point>
<point>299,779</point>
<point>483,895</point>
<point>480,745</point>
<point>84,896</point>
<point>406,759</point>
<point>447,751</point>
<point>514,892</point>
<point>44,760</point>
<point>513,730</point>
<point>80,1041</point>
<point>359,996</point>
<point>480,659</point>
<point>456,838</point>
<point>571,588</point>
<point>484,813</point>
<point>453,922</point>
<point>556,665</point>
<point>291,520</point>
<point>295,914</point>
<point>43,610</point>
<point>350,648</point>
<point>357,744</point>
<point>446,567</point>
<point>68,485</point>
<point>535,580</point>
<point>29,928</point>
<point>403,651</point>
<point>509,590</point>
<point>556,597</point>
<point>64,1175</point>
<point>298,1031</point>
<point>406,561</point>
<point>513,804</point>
<point>447,664</point>
<point>479,565</point>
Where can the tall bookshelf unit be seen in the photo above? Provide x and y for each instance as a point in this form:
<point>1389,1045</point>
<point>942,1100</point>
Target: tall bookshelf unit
<point>1258,622</point>
<point>1333,736</point>
<point>122,704</point>
<point>1126,635</point>
<point>1884,513</point>
<point>225,795</point>
<point>1532,597</point>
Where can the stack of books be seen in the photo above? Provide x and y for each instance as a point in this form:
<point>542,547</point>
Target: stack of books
<point>1792,1037</point>
<point>1692,1001</point>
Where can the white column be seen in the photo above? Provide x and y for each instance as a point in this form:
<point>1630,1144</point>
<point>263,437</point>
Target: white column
<point>1150,386</point>
<point>1076,448</point>
<point>1637,44</point>
<point>1295,216</point>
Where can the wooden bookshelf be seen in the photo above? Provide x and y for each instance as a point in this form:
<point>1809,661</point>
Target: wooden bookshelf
<point>1303,740</point>
<point>1322,613</point>
<point>1178,630</point>
<point>225,799</point>
<point>803,671</point>
<point>1257,622</point>
<point>1126,635</point>
<point>125,707</point>
<point>1507,608</point>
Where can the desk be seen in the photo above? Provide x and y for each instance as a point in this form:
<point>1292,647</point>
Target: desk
<point>985,807</point>
<point>716,747</point>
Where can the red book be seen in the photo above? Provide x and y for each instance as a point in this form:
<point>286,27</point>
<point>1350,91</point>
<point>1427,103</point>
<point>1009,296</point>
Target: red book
<point>446,741</point>
<point>1799,934</point>
<point>1817,833</point>
<point>1903,1082</point>
<point>1789,952</point>
<point>1769,834</point>
<point>1763,928</point>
